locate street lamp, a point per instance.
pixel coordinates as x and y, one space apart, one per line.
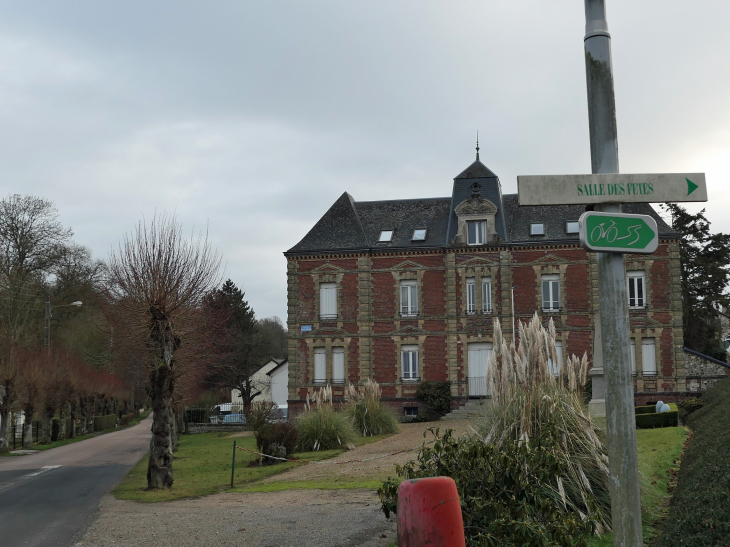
49 315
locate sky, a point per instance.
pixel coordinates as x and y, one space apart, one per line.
248 119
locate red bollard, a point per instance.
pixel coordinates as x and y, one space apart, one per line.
429 513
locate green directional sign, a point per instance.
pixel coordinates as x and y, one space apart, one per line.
618 233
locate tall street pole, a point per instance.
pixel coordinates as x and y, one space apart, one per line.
614 318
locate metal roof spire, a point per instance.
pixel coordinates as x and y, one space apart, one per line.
477 145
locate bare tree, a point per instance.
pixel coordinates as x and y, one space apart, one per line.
157 281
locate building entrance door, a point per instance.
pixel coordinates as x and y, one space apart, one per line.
478 355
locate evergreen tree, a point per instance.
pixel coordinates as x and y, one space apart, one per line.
705 267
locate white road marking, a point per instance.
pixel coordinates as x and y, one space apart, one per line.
19 480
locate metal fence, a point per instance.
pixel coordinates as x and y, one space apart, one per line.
223 413
19 432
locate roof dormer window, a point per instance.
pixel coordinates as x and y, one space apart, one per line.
571 227
385 236
419 234
476 232
537 229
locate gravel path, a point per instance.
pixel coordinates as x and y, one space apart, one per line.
290 518
410 436
293 518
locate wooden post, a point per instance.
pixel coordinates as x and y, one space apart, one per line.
233 463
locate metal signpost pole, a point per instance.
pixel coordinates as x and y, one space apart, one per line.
620 421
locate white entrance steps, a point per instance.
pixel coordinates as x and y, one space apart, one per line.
472 409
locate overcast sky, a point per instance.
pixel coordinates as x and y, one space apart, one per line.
251 118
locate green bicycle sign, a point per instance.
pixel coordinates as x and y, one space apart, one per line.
618 233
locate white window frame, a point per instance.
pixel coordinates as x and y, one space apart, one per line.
632 351
553 284
552 368
636 281
480 233
409 363
535 231
486 295
572 227
338 365
328 300
419 234
320 366
385 236
409 298
648 357
471 296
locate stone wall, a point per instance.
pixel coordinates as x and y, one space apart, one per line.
703 372
192 429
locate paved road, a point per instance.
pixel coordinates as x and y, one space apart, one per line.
47 499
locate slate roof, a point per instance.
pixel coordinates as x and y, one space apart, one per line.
350 225
554 218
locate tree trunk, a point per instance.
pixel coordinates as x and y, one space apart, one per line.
28 436
74 416
4 430
159 469
62 423
47 425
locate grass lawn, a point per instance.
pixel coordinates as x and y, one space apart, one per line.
658 448
56 444
202 466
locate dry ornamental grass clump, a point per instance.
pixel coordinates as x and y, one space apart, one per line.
321 427
531 396
367 413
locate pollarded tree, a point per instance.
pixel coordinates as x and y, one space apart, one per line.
157 282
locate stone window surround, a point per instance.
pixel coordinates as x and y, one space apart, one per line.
645 267
475 209
408 275
319 278
637 335
401 341
477 273
550 269
329 344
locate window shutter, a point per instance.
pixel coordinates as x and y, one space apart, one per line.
648 357
338 365
320 365
328 300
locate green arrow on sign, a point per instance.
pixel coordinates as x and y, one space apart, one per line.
691 186
618 232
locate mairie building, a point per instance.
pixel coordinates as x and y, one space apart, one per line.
407 291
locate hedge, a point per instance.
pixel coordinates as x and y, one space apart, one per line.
437 395
56 427
659 419
105 422
698 513
651 409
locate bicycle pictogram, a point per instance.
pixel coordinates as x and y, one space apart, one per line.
611 234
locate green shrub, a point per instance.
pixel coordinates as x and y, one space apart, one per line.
105 422
658 419
437 395
647 409
691 404
368 415
274 437
510 494
698 513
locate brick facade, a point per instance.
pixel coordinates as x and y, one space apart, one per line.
372 332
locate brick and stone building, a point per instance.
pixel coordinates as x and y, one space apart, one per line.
405 291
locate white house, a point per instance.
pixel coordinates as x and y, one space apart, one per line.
273 380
